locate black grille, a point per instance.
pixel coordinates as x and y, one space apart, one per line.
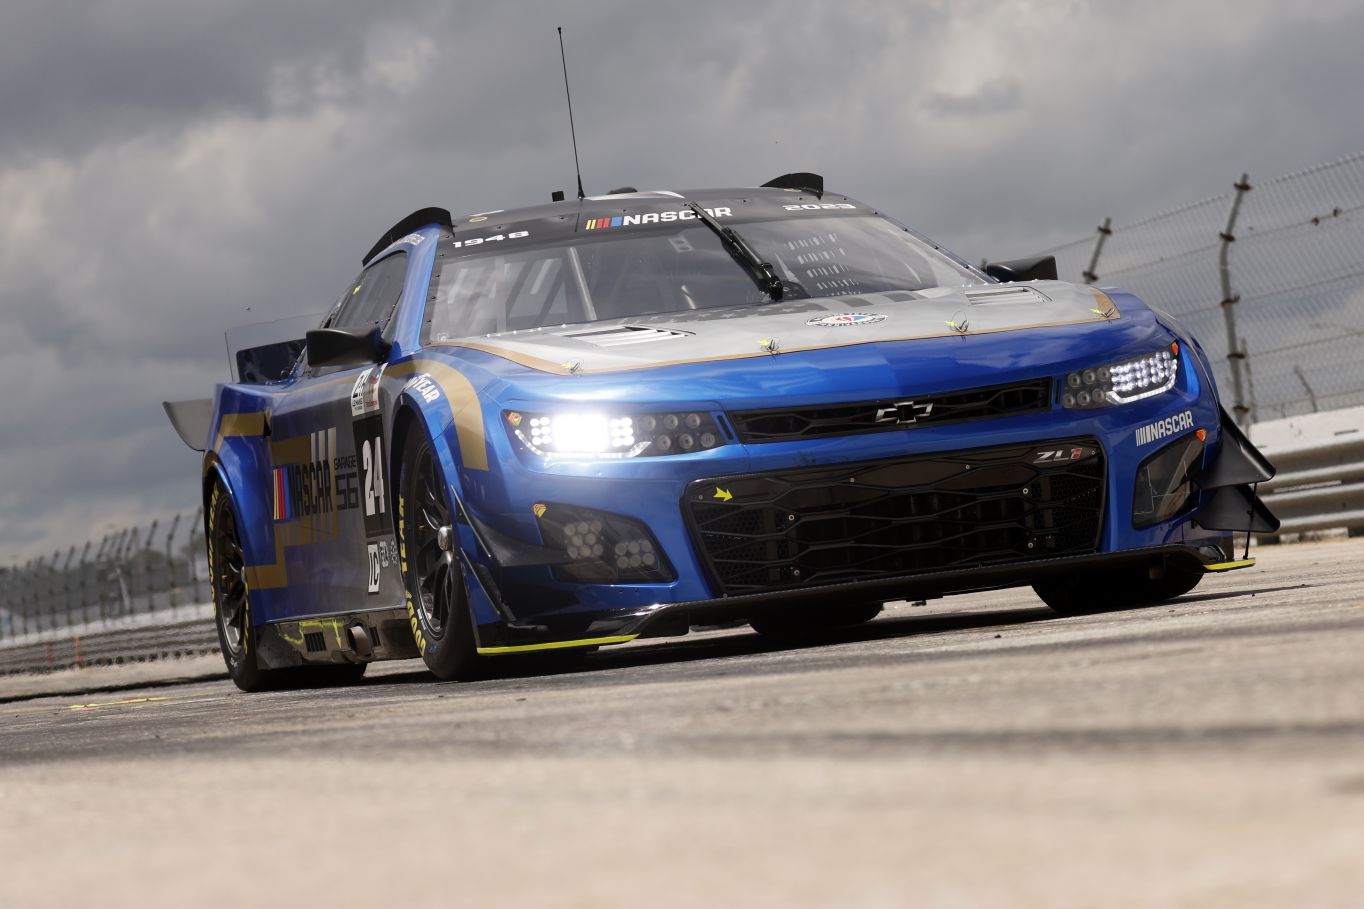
314 641
880 519
823 420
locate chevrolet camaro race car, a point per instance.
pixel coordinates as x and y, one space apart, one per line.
581 423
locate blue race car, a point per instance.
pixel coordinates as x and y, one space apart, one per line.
577 424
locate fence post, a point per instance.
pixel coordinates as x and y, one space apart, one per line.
1091 274
148 575
83 581
192 553
171 586
1236 355
6 581
66 584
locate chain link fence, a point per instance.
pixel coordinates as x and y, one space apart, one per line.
138 571
1269 277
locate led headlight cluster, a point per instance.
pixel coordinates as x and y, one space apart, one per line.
597 435
1122 382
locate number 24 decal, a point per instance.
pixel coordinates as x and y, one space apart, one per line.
372 454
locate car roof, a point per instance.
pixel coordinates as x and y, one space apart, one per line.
548 219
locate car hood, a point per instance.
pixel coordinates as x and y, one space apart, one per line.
732 333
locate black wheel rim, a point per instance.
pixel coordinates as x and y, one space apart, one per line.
435 574
229 582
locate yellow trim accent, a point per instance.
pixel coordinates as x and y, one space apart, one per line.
1106 305
123 703
1229 566
556 645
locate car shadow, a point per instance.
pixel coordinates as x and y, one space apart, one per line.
743 642
739 643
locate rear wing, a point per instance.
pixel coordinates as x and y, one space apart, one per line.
191 420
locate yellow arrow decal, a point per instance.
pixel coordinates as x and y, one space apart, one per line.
724 495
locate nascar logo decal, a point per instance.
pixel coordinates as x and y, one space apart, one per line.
1160 429
652 217
847 318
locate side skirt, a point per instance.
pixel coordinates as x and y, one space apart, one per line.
356 637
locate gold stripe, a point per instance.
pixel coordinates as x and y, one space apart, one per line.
543 365
464 407
269 577
1105 303
239 424
1229 566
556 645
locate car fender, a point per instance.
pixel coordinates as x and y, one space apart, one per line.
439 402
238 455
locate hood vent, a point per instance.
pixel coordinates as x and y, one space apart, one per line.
1008 293
624 334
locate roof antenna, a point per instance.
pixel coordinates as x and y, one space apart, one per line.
571 131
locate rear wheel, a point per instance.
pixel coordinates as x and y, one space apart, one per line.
231 598
232 613
1089 593
804 621
433 575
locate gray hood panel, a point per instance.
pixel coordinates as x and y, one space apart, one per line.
760 330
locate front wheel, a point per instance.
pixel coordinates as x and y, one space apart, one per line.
434 584
1096 592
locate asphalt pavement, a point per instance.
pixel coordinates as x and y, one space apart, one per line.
974 751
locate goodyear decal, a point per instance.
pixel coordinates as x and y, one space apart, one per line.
407 593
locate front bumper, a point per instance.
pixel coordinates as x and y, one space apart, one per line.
665 620
519 604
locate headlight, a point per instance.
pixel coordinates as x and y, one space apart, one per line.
599 435
1123 382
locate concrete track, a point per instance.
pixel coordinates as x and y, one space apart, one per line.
977 751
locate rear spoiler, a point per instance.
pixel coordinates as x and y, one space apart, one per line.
191 420
811 183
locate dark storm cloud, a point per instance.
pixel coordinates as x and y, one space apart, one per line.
171 170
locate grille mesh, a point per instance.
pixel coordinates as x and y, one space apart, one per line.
880 519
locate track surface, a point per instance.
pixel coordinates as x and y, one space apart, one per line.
977 751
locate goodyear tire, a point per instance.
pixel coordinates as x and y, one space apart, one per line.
231 597
1088 594
435 587
810 621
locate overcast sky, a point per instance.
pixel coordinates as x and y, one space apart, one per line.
169 170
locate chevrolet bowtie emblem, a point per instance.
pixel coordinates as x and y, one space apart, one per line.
724 495
903 412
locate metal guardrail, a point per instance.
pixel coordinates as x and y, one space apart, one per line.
113 647
1320 459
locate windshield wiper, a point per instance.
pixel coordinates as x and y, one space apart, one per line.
738 247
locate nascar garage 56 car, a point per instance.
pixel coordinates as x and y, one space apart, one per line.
581 423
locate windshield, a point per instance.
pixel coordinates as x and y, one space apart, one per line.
626 273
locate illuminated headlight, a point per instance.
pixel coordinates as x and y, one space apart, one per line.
597 435
1123 382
